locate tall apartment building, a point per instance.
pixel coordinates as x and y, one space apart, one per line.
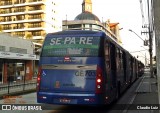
30 19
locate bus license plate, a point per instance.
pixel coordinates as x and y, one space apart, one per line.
64 100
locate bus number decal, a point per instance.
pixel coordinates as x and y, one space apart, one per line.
87 73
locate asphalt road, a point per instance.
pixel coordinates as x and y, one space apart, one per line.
126 98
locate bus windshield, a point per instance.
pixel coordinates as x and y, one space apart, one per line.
71 46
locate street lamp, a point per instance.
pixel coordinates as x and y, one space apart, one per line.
136 34
150 48
145 41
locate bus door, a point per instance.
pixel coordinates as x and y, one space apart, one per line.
124 67
108 78
134 70
113 65
128 67
131 64
120 66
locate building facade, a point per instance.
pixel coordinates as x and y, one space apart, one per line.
30 19
16 59
88 21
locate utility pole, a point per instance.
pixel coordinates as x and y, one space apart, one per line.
145 60
150 48
156 10
150 40
150 51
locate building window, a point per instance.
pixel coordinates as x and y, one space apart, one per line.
96 27
6 27
21 34
34 25
18 50
74 26
36 33
35 16
2 48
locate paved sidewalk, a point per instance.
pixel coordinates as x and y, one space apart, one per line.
146 96
17 88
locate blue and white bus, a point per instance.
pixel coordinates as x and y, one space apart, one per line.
82 67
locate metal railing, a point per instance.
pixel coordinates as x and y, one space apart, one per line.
17 86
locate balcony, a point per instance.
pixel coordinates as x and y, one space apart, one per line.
6 4
20 35
9 21
35 2
7 28
18 27
19 10
34 26
36 34
35 9
36 12
22 28
5 12
34 17
5 20
10 13
15 29
21 2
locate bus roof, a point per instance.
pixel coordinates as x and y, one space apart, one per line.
77 33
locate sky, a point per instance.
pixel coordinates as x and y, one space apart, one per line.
127 12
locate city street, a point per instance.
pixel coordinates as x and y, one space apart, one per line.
78 55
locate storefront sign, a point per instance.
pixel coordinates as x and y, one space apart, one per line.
11 55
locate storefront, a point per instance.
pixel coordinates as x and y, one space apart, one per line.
16 70
16 59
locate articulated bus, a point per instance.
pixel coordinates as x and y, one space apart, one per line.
84 68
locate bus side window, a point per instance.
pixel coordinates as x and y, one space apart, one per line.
121 59
118 58
107 54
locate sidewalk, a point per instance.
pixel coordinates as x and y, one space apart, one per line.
17 88
146 93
